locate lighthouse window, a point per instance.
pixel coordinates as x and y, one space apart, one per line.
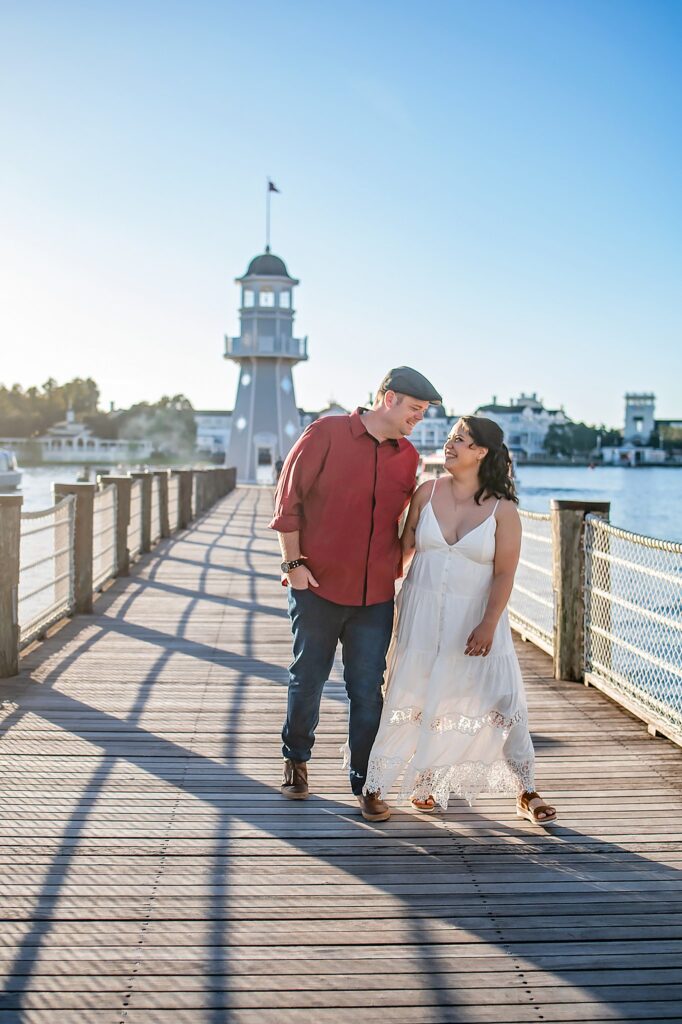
285 300
248 297
266 297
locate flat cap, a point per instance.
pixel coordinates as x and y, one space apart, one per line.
410 382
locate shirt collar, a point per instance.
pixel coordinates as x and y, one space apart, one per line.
358 428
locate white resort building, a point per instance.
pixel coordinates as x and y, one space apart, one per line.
640 427
432 432
525 423
71 441
213 430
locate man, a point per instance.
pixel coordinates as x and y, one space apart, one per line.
342 491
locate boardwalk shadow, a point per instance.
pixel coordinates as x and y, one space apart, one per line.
436 881
466 903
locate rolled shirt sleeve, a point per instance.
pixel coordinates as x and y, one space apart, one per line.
301 468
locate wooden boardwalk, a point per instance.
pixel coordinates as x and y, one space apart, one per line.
151 873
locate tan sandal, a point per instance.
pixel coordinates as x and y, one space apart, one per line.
425 806
532 814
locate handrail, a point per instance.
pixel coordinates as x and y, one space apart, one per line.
54 559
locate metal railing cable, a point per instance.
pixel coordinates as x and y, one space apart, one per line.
633 621
173 503
104 535
156 510
46 567
531 605
135 521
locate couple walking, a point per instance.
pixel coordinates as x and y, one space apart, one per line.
454 718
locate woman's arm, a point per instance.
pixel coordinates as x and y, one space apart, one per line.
507 551
407 538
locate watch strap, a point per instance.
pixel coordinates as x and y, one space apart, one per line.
286 567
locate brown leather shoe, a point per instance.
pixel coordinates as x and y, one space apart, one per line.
373 808
295 782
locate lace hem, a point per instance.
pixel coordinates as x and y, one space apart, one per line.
400 716
468 780
460 723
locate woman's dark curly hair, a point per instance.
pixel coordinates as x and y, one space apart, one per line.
495 473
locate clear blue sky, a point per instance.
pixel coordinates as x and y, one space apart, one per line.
487 190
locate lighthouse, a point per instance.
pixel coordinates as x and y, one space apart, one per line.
265 421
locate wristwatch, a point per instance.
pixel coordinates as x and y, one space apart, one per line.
286 567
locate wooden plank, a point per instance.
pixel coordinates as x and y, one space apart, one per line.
149 869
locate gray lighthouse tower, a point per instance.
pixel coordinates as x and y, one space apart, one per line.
265 421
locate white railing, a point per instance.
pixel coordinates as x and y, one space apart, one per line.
46 568
531 606
104 536
135 521
156 510
173 502
633 622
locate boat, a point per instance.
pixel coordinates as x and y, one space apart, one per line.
10 474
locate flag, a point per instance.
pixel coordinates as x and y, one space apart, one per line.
272 187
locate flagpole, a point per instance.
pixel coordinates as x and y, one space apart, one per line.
267 215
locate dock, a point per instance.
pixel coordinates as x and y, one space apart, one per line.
151 872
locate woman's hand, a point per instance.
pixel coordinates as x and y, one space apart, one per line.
480 640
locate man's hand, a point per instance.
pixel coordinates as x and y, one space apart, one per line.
301 578
480 640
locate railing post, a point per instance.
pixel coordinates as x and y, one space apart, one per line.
146 514
123 485
163 475
209 489
568 576
10 537
184 497
82 542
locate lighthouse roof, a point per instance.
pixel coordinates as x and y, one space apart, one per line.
267 265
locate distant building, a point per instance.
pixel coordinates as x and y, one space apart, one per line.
333 409
629 454
525 423
213 430
70 441
432 432
639 418
641 434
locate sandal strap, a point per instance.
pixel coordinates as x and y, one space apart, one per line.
525 799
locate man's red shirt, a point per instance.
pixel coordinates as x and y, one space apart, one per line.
345 492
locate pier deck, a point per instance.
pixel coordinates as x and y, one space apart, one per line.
151 873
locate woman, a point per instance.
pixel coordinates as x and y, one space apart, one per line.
455 717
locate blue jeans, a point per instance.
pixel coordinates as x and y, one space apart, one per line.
364 632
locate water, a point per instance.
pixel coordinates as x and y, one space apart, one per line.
36 484
647 500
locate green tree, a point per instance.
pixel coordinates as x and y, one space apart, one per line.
577 438
169 424
670 437
30 412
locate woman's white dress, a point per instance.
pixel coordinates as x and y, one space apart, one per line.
451 723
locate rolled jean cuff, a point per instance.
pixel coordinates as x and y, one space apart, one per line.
357 781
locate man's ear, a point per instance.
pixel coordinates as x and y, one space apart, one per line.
390 398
